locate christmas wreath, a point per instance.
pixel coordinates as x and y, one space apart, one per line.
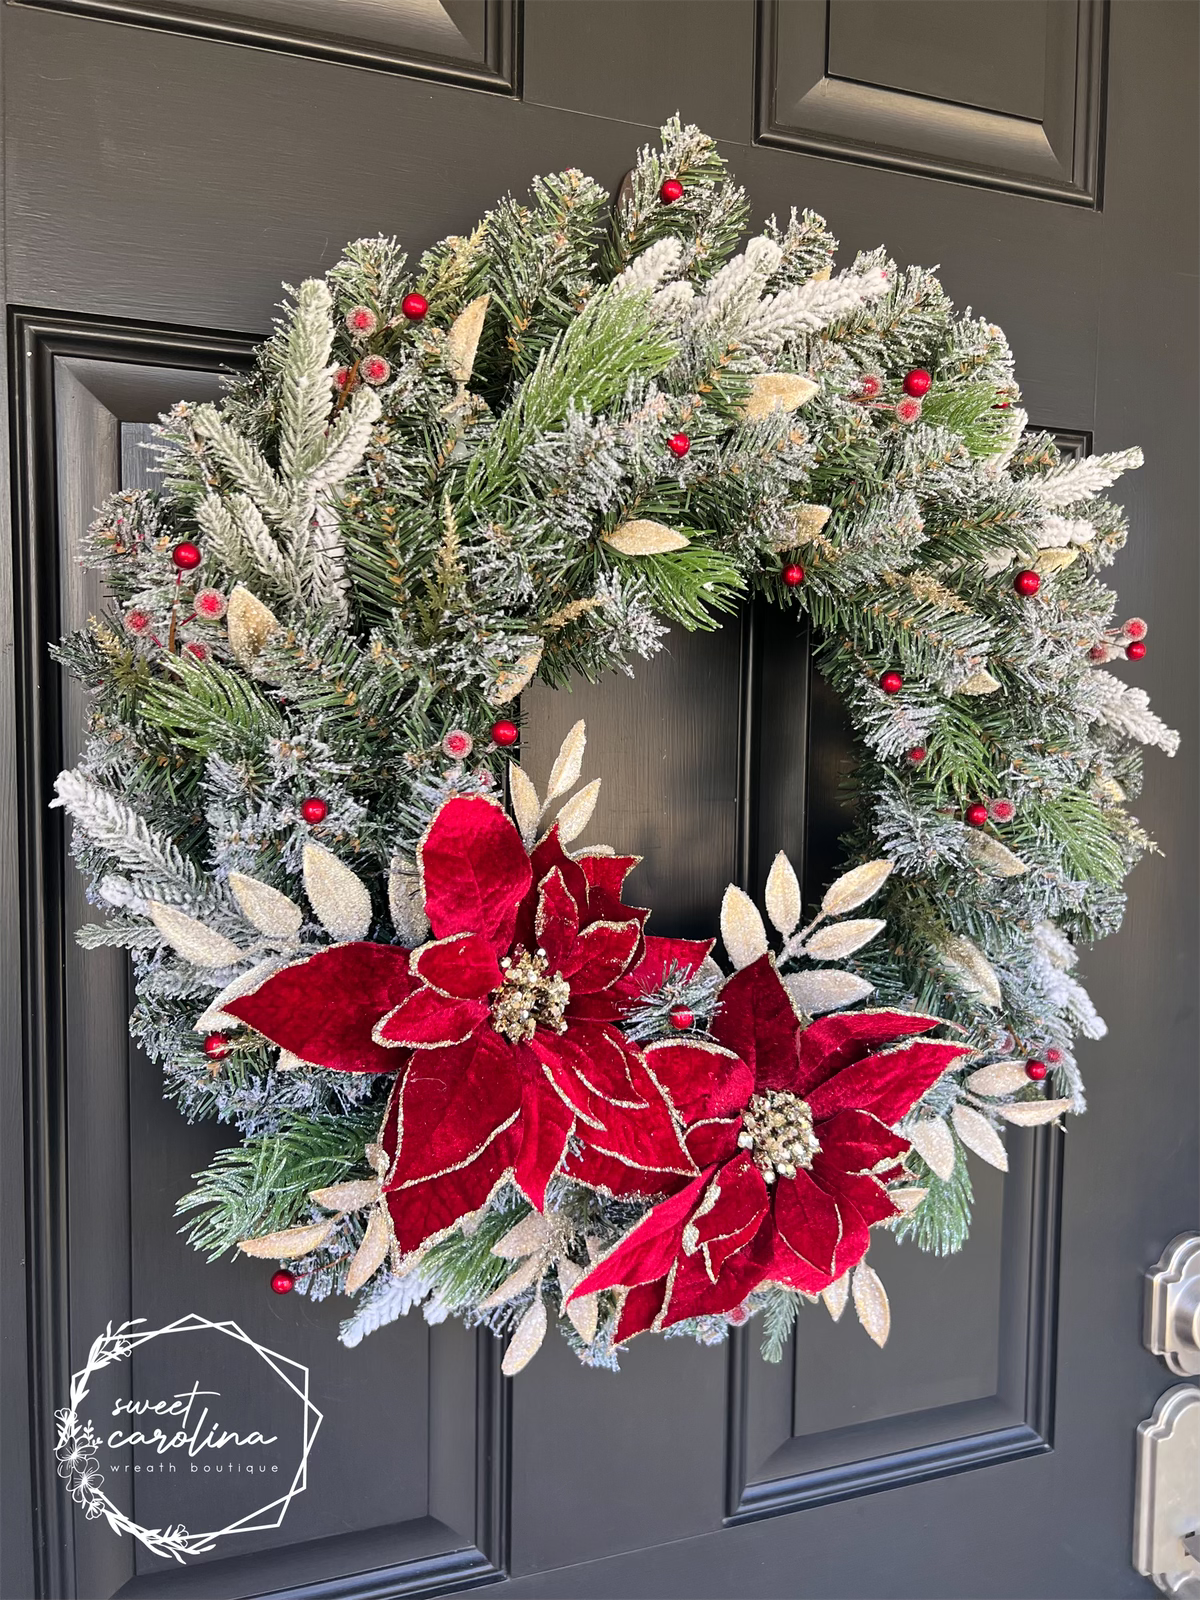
464 1074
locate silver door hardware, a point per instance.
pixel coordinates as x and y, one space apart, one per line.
1166 1502
1172 1321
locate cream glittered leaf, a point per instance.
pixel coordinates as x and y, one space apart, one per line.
855 886
288 1243
336 893
584 1313
819 992
568 763
979 683
289 1061
1030 1113
934 1143
266 908
776 391
406 902
742 930
526 1340
523 1238
517 1282
213 1017
354 1195
577 813
200 945
371 1253
1001 1077
842 938
970 967
249 624
462 340
1049 561
527 808
835 1296
871 1303
645 538
977 1133
994 857
907 1199
377 1159
783 895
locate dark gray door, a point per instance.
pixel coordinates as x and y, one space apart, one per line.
167 164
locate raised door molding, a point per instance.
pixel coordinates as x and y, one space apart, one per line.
1008 95
475 43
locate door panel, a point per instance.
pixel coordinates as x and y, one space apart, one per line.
166 179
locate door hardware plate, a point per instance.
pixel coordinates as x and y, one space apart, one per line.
1166 1511
1172 1310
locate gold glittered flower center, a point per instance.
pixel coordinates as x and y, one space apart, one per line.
777 1129
529 997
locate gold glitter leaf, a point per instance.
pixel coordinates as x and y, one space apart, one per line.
776 391
934 1143
213 1017
783 895
843 938
195 943
406 902
855 886
288 1242
249 624
1001 1077
584 1313
994 857
871 1303
1029 1113
966 963
377 1159
512 680
527 808
977 1133
1055 560
517 1282
568 764
337 895
742 929
906 1199
264 907
371 1253
835 1296
808 521
462 340
289 1061
355 1195
819 992
530 1234
526 1340
577 813
979 683
645 538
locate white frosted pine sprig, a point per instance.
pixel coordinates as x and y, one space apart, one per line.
388 1299
812 306
1080 480
731 301
127 837
1058 533
656 264
1127 709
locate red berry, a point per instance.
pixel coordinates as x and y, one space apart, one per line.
216 1046
1053 1057
1136 650
1135 628
977 815
283 1282
314 809
414 306
681 1018
375 370
908 408
342 377
1027 582
671 191
505 732
1036 1070
917 383
793 575
186 556
869 385
361 319
679 444
917 754
1001 810
891 682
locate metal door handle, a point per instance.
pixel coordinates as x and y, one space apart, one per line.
1166 1508
1172 1308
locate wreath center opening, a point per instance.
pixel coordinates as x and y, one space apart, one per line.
777 1129
529 995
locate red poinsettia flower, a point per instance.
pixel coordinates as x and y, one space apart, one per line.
793 1129
503 1026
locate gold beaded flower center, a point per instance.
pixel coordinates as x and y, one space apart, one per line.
777 1129
528 997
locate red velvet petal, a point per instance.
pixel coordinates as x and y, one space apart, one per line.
727 1219
610 1176
702 1080
475 871
807 1222
866 1194
428 1019
793 1271
453 1102
831 1043
757 1022
607 873
658 957
639 1309
887 1085
648 1250
324 1009
600 955
557 920
463 966
692 1293
431 1206
546 1123
855 1141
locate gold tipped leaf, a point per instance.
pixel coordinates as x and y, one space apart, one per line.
526 1340
819 992
979 683
517 1282
462 340
934 1143
742 930
843 938
776 391
645 538
1001 1077
977 1133
568 763
1049 561
871 1303
577 813
527 808
855 886
249 624
406 902
1031 1113
371 1253
512 680
835 1296
907 1199
337 895
265 908
355 1195
530 1234
783 895
970 968
202 946
994 857
288 1242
